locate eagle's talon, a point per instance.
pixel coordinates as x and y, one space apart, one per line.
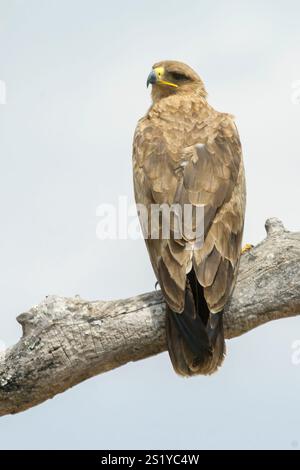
246 248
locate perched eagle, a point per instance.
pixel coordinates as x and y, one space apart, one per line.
185 152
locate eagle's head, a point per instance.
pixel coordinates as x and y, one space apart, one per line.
172 77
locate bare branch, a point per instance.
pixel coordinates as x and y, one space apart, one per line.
66 341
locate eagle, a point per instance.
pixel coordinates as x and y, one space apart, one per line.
187 153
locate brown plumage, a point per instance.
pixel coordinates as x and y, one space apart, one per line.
185 152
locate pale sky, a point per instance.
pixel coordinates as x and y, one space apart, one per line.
75 74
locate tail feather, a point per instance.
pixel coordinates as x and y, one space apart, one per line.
195 337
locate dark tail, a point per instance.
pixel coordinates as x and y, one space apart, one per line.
195 337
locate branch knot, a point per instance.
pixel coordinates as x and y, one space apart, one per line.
274 226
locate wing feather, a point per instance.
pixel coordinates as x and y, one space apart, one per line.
200 165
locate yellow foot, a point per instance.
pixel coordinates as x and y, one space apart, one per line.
246 248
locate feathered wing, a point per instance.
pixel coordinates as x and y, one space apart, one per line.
195 283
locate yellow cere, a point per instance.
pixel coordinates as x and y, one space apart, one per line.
159 72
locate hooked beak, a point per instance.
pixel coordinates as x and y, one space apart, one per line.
156 78
152 78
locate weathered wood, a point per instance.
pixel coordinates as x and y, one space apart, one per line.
66 341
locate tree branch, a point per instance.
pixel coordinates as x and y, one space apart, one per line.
66 341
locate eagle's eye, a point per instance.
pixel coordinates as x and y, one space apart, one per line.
179 77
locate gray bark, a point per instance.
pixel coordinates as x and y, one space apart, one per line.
68 340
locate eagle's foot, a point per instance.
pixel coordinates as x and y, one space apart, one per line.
246 248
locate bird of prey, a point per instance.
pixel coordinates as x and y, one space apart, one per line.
186 152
